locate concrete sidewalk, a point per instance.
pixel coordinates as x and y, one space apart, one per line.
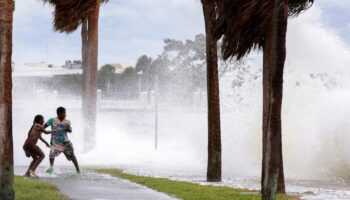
93 186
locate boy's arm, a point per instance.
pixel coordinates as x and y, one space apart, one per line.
42 129
48 123
45 126
69 128
44 141
49 132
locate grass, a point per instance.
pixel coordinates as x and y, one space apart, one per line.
29 189
189 191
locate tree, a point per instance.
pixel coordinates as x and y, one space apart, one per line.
214 128
84 42
187 65
143 65
262 24
274 49
105 74
129 80
6 141
65 84
89 100
106 69
68 15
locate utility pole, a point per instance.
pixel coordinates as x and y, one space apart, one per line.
46 48
156 89
139 82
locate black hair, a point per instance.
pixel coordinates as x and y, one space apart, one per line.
60 110
37 119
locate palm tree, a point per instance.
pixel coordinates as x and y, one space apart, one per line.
6 141
68 15
214 129
89 103
262 24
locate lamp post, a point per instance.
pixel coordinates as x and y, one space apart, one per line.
139 74
156 96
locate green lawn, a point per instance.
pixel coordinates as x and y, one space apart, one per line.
187 190
29 189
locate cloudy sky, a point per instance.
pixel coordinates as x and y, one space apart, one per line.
130 28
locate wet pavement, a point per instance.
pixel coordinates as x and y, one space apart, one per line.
93 186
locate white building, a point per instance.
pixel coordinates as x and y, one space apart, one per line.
31 78
75 64
120 67
41 70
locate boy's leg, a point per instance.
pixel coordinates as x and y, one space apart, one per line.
76 165
30 152
55 150
70 155
52 155
39 159
52 161
30 166
32 163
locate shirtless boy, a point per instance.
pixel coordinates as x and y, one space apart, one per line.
30 146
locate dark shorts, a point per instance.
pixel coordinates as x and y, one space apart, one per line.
33 151
66 148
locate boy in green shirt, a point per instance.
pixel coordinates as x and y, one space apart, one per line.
59 140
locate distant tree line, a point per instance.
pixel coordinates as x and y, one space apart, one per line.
111 84
180 68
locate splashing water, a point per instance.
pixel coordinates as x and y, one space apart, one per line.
316 131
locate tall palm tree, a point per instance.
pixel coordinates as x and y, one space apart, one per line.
89 103
214 128
68 15
262 24
6 141
274 49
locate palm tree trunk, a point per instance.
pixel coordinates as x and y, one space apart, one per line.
274 59
90 82
84 51
281 186
6 141
84 42
214 129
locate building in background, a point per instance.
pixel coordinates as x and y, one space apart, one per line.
29 79
120 67
75 64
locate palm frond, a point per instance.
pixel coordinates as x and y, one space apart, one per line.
69 14
298 6
242 23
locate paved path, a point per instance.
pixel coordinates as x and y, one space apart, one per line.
93 186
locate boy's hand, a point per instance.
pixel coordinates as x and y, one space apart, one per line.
68 128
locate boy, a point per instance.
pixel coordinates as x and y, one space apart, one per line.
59 140
31 148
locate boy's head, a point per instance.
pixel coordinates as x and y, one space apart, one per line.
39 119
61 113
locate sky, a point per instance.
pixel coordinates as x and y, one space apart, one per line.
131 28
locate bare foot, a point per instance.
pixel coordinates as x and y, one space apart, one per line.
33 174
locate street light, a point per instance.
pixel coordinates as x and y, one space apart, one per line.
156 88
